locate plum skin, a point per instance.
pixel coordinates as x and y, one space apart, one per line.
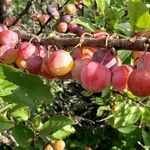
95 77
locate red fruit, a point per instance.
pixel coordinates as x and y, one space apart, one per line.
3 27
83 52
120 77
45 71
42 51
8 54
95 77
139 82
100 34
143 62
70 9
60 62
8 37
105 57
34 64
62 27
81 30
73 28
26 50
78 65
43 19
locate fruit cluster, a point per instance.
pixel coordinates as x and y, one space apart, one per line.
94 68
63 17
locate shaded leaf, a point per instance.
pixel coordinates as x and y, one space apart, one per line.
22 88
23 135
5 124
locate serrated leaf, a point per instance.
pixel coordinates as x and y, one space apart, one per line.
22 88
5 124
23 135
63 133
138 15
54 124
103 5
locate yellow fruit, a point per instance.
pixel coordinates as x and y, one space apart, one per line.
60 63
59 145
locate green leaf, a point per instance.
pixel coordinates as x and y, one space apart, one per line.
133 114
87 3
127 129
63 133
124 28
124 54
103 5
145 115
125 117
22 88
146 138
138 15
85 23
54 124
36 122
5 124
101 109
21 113
23 135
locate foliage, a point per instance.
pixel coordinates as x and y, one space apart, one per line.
38 111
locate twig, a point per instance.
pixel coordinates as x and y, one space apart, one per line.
104 119
24 12
2 11
126 44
